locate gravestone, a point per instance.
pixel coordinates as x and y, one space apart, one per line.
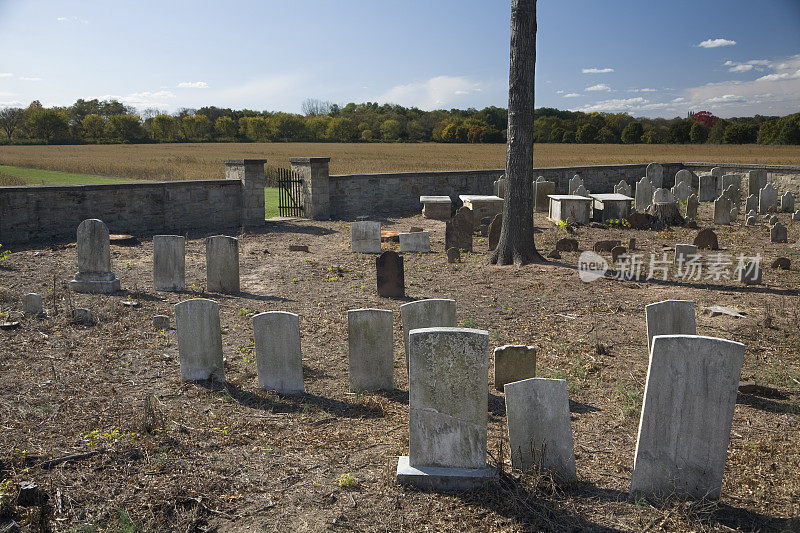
458 230
684 176
453 255
691 206
436 207
751 204
617 252
365 237
390 275
567 245
622 188
631 243
639 220
717 172
751 220
689 398
94 274
783 263
581 191
681 191
494 231
749 273
756 179
169 262
722 210
539 431
772 219
606 246
448 410
706 239
499 187
82 316
787 202
736 181
575 182
778 233
684 252
655 173
32 304
767 199
199 340
734 213
161 322
796 216
276 335
431 313
707 191
371 349
663 196
644 194
541 192
513 362
419 241
732 194
222 264
670 317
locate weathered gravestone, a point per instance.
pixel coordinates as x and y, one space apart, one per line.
787 202
539 431
749 273
453 255
222 264
644 194
431 313
365 237
169 262
390 275
751 204
161 322
681 191
670 317
276 335
32 304
94 274
689 398
82 316
663 196
767 199
499 187
606 246
494 231
513 362
458 230
782 263
684 253
581 191
371 349
448 410
655 173
732 194
756 179
199 340
717 172
567 245
692 204
796 216
684 176
575 182
751 220
622 188
734 213
617 252
736 181
706 239
707 191
541 193
722 210
419 241
778 233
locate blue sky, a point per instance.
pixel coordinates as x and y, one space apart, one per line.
646 57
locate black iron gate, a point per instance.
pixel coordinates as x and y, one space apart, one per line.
290 193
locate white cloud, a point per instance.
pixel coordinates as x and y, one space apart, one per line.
560 91
72 19
193 85
780 76
571 95
747 66
143 99
598 87
25 78
6 75
435 93
678 100
716 43
594 70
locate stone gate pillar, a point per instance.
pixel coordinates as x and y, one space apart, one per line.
251 173
316 198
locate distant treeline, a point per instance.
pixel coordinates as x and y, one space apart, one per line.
109 121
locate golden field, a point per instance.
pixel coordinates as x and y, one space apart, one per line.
204 160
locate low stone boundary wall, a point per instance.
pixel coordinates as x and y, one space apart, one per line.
784 177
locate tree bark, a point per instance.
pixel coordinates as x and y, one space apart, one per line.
516 244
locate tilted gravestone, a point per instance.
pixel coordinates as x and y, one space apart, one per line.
458 230
448 410
670 317
418 241
390 275
756 179
689 398
541 193
365 237
644 194
707 190
778 233
169 262
431 313
539 431
706 239
681 191
751 204
94 274
655 173
575 182
622 188
199 340
513 362
722 210
787 202
767 199
684 176
371 349
495 228
32 304
276 335
691 206
685 253
222 264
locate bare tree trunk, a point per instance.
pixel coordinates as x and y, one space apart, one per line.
516 244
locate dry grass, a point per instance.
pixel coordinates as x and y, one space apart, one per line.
204 161
9 180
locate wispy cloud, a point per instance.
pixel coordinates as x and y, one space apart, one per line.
595 70
571 95
27 78
716 43
598 87
747 66
616 104
437 92
781 76
193 85
143 99
6 74
72 19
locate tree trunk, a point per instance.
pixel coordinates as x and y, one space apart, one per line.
516 244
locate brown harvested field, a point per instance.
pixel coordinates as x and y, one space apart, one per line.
204 161
152 453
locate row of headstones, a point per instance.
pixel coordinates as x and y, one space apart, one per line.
365 238
684 429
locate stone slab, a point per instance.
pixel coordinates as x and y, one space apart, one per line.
670 317
418 241
276 335
430 313
513 362
390 275
444 479
370 344
365 237
169 262
222 264
569 207
199 339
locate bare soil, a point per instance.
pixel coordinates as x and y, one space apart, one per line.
202 456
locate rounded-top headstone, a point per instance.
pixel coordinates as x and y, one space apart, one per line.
663 196
706 239
94 253
567 245
655 173
685 176
32 304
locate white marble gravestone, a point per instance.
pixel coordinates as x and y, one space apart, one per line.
94 274
365 237
276 335
222 264
655 173
371 349
670 317
430 313
169 262
644 194
199 340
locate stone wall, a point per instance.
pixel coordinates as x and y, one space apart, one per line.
783 177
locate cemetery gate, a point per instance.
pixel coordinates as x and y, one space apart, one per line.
290 193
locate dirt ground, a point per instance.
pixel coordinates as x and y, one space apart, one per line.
156 454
